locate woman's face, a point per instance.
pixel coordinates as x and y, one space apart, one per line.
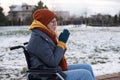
52 25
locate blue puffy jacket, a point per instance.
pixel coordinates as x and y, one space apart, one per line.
48 54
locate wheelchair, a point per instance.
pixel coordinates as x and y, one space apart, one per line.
44 74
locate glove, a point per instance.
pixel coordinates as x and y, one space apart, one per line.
64 36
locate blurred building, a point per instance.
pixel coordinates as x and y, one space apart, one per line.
65 15
20 12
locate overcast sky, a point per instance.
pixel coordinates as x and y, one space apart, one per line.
77 7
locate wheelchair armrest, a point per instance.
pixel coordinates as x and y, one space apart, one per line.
44 71
48 72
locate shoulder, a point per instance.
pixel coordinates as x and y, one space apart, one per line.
36 40
39 33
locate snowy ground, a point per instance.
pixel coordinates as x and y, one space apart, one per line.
98 46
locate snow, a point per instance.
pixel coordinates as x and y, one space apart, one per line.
97 46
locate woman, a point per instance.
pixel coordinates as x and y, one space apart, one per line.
49 50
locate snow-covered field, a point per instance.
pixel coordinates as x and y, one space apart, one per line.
98 46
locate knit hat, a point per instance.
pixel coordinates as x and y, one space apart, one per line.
44 16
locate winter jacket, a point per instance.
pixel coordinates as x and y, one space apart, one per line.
41 45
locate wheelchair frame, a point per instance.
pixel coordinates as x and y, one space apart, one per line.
42 72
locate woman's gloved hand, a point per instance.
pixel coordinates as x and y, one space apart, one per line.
64 36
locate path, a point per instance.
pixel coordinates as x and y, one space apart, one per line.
114 76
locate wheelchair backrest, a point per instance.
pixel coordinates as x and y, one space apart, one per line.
26 54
